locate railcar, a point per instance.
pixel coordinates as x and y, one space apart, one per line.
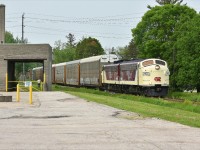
37 73
149 77
83 72
60 73
67 73
73 73
90 69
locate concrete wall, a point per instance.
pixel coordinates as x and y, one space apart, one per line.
12 52
2 23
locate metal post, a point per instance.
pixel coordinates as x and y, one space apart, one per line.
44 78
6 82
44 83
18 93
23 72
41 86
30 94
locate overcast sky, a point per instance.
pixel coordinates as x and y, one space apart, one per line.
47 21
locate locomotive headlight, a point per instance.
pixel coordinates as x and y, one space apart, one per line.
146 74
157 67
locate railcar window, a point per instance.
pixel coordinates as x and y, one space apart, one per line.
127 72
147 63
160 62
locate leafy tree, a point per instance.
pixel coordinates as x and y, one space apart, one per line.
154 35
88 47
64 52
64 55
9 37
128 52
71 40
164 2
188 58
58 45
19 40
111 50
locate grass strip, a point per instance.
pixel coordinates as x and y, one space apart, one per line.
187 96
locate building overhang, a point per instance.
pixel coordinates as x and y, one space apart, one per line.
25 58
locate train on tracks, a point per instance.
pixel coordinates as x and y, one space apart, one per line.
149 77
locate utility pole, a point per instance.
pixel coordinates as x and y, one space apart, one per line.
23 42
23 27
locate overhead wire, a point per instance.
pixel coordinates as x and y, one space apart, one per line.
108 20
116 22
85 17
112 37
75 31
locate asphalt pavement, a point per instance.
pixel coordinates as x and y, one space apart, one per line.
59 121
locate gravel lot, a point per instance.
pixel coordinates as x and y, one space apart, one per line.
57 120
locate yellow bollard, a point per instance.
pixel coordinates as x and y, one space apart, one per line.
30 94
44 82
44 78
18 93
6 82
41 86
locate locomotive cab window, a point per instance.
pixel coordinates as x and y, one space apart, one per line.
147 63
159 62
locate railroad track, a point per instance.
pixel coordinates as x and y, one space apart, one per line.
180 100
174 99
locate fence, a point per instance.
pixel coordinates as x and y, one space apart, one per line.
26 86
35 85
30 92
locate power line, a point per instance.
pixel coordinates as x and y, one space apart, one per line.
83 22
112 37
14 26
91 21
62 30
128 14
13 17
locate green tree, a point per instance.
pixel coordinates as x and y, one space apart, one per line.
88 47
111 50
19 40
71 40
63 52
128 52
188 56
164 2
58 45
9 38
64 55
154 35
